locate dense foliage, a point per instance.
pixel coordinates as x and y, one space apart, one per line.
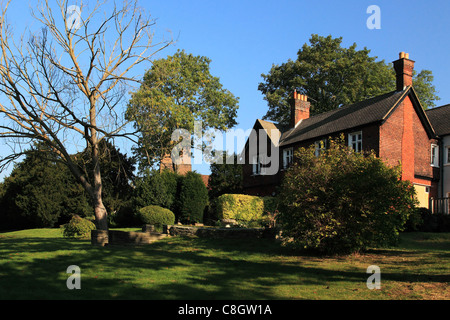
156 188
78 227
331 76
176 91
156 215
185 195
41 192
343 201
192 198
225 177
245 209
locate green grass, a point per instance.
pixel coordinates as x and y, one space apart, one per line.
33 265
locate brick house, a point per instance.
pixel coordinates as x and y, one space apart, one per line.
393 125
440 120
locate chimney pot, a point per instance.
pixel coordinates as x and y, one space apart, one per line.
404 70
299 109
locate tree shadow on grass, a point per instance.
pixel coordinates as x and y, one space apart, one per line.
169 269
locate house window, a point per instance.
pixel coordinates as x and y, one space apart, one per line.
256 164
447 155
288 157
355 141
321 146
434 155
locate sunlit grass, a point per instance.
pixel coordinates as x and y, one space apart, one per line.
33 265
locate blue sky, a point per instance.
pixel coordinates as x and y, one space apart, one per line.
244 38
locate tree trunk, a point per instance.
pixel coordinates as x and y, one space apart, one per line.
101 216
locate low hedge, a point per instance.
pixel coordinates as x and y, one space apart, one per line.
156 215
78 228
245 208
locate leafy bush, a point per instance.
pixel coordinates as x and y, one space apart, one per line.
156 215
343 201
156 188
78 228
124 217
425 221
192 198
245 208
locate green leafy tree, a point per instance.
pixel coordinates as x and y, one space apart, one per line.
427 93
192 198
42 192
343 201
332 76
156 188
225 177
117 170
174 93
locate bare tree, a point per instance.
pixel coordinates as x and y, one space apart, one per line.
64 84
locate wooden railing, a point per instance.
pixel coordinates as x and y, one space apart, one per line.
440 205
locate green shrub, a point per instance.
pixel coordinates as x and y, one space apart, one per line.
192 198
431 222
240 207
156 215
343 201
124 217
78 228
246 209
156 188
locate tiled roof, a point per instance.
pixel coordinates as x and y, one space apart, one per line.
440 119
351 116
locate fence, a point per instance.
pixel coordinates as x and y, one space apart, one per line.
440 205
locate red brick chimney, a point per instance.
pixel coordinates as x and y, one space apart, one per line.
404 71
299 109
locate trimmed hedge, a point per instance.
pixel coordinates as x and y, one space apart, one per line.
156 215
78 228
245 208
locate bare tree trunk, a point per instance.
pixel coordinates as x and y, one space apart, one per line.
101 216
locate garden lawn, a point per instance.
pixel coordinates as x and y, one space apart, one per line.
33 265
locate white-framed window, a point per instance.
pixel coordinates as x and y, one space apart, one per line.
355 141
434 161
288 157
256 165
447 155
320 146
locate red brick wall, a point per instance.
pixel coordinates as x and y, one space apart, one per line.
391 133
403 138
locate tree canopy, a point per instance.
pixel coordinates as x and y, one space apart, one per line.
175 92
41 191
331 76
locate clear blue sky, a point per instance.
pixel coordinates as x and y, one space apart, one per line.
244 38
